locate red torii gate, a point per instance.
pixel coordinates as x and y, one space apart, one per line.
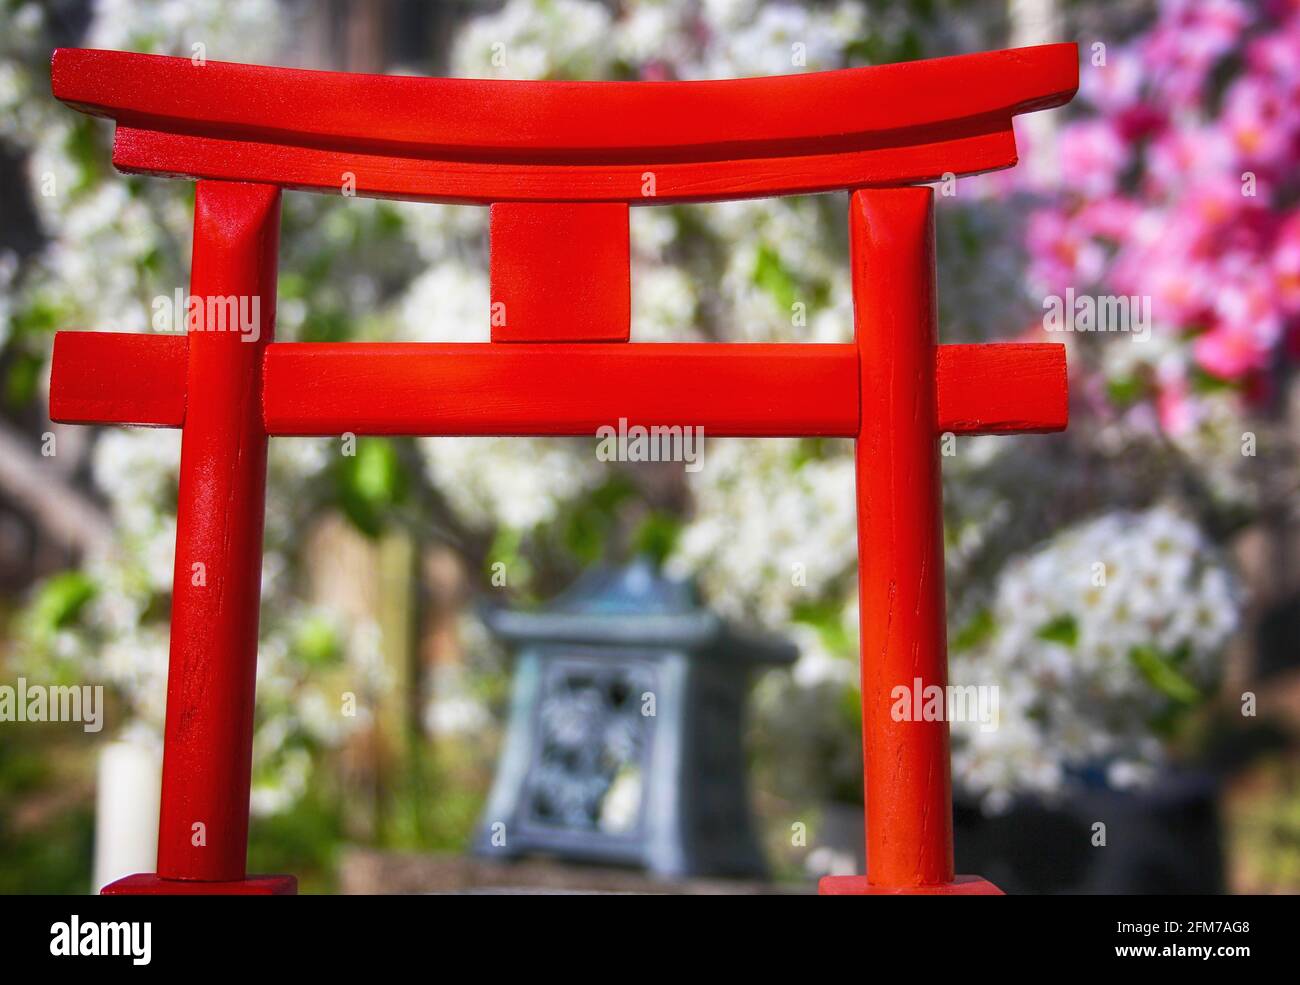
559 163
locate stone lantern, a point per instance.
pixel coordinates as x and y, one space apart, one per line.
624 742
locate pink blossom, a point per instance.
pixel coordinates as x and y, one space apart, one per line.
656 70
1228 352
1092 155
1213 211
1175 407
1115 86
1286 264
1061 255
1181 291
1201 229
1275 54
1247 328
1111 218
1188 40
1258 120
1182 153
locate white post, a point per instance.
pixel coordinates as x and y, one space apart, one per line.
126 810
1037 22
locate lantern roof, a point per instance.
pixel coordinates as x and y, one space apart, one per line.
637 605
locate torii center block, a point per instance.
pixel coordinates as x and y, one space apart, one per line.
560 272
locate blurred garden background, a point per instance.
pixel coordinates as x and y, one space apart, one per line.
1166 702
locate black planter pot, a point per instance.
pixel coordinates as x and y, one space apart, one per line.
1165 838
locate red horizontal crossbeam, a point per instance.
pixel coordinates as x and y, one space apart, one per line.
484 141
1002 388
739 389
566 122
469 183
556 388
102 377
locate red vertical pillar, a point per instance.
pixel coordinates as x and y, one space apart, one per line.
207 755
900 548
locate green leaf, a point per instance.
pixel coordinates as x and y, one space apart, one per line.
810 450
42 316
584 533
84 147
772 277
1126 391
1062 629
370 484
976 631
23 379
1205 383
1160 673
657 536
59 601
827 618
317 642
508 549
586 525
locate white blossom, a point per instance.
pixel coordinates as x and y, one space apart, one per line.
1118 590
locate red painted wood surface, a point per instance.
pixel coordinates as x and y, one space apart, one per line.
861 886
564 122
1002 388
471 183
208 740
148 884
560 272
476 140
118 378
742 389
729 389
900 536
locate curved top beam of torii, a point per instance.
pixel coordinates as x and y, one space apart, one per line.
484 141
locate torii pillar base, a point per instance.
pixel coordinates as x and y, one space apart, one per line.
858 886
148 884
